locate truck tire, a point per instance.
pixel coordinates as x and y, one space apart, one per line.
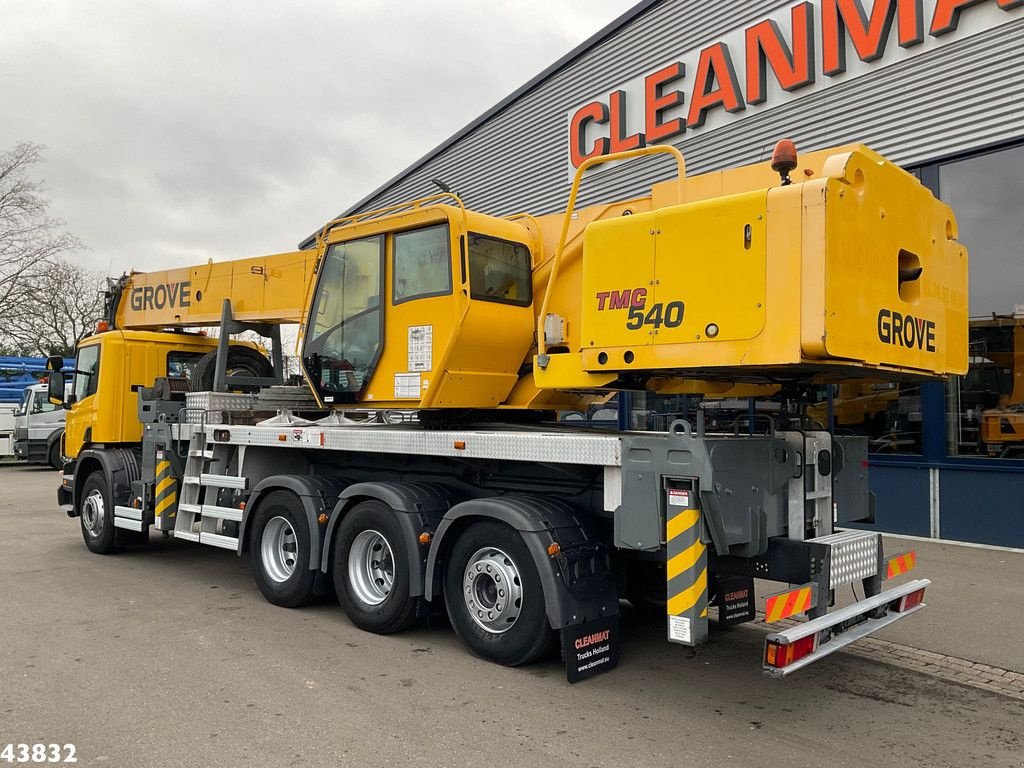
279 553
494 596
56 458
96 515
241 360
371 571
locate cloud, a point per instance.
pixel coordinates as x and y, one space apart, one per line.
181 130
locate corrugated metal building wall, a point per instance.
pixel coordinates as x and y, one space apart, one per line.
966 95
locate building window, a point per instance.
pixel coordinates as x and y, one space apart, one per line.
986 407
888 413
985 193
423 264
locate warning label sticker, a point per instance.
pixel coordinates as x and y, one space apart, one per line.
678 498
407 385
421 347
679 629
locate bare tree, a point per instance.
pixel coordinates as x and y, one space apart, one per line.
58 308
30 239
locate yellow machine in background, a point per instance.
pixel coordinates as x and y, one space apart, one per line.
998 343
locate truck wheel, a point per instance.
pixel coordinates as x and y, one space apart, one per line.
371 571
279 553
96 515
56 459
494 596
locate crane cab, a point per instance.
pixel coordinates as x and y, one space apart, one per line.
426 306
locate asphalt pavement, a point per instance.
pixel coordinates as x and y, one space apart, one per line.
169 656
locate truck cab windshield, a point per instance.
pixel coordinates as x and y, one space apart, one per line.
343 336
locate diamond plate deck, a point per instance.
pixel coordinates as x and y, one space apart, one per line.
854 556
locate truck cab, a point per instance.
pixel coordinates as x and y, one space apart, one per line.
38 428
110 367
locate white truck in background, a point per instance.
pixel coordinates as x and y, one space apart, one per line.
38 428
7 429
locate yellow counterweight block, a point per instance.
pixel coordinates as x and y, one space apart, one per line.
686 570
165 495
854 271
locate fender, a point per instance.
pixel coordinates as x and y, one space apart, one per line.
317 495
578 584
120 466
420 507
56 435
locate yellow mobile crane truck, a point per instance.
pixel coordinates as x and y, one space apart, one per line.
833 266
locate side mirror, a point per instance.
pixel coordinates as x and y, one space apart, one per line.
54 363
55 387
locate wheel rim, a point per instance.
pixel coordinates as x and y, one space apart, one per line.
371 567
492 590
93 512
279 549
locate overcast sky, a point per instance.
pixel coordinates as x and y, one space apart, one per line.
181 130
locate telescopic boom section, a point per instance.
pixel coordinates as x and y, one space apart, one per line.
265 289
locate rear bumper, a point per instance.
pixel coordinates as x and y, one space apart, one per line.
841 627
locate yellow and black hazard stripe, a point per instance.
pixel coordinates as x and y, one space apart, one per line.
686 572
165 493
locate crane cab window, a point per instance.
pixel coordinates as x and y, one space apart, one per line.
344 336
87 371
423 264
499 270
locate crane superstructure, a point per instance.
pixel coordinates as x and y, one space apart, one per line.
833 266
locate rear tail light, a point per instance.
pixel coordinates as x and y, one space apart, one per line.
780 655
912 600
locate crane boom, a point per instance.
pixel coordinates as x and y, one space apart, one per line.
266 289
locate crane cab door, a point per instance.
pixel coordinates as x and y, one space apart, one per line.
430 309
495 332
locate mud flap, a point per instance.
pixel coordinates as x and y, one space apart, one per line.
590 648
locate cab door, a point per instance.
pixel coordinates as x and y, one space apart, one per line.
81 419
421 313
